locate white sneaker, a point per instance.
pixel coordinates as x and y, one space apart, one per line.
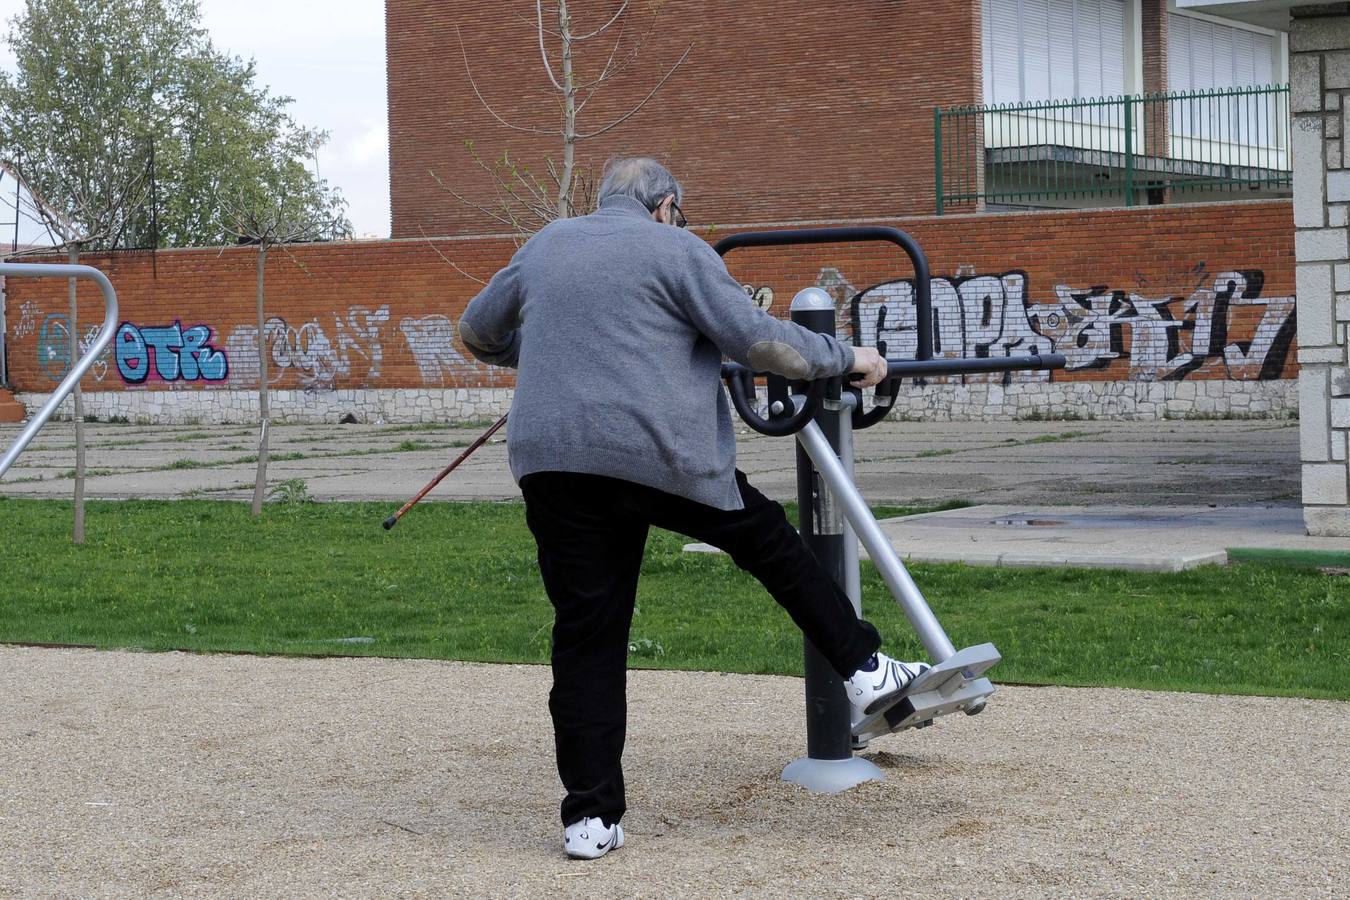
590 839
869 691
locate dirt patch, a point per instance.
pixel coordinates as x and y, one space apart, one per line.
131 774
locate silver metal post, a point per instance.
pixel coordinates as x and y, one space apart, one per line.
85 363
893 571
852 570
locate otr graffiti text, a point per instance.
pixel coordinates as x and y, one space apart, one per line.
168 353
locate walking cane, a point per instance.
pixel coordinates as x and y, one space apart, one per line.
393 520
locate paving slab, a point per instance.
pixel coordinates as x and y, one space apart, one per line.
1145 539
1039 470
1167 539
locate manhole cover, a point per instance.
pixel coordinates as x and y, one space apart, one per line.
1029 522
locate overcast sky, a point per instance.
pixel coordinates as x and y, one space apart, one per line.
329 56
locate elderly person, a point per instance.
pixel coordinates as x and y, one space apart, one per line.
617 323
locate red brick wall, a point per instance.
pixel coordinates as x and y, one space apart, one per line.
1128 293
784 111
1153 47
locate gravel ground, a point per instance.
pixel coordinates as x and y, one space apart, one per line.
141 774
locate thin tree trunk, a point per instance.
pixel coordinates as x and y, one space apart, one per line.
77 532
569 135
260 485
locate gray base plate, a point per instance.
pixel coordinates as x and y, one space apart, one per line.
830 776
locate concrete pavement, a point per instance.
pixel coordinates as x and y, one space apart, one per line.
1163 495
1142 538
1227 463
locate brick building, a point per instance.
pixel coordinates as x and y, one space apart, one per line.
1065 224
810 112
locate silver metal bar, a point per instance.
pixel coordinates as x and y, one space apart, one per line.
893 571
852 571
85 363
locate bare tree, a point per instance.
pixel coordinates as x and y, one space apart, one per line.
83 155
524 202
92 212
296 207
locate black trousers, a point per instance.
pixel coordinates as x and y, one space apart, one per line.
591 531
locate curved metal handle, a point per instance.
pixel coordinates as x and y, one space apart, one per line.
923 301
793 417
900 369
85 363
883 402
740 380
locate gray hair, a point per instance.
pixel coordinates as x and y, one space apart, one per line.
640 177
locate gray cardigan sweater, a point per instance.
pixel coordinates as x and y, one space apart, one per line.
618 325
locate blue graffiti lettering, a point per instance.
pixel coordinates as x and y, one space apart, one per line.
131 354
173 352
199 359
54 348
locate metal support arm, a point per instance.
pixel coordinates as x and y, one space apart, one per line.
888 564
85 363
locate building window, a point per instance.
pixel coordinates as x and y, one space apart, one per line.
1202 55
1038 50
1208 56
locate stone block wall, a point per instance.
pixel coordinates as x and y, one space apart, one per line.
1320 98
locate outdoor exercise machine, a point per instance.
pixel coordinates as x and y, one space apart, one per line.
80 367
823 414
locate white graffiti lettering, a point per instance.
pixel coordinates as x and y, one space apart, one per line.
982 316
431 341
29 313
1164 338
307 351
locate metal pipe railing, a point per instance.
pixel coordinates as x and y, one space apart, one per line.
1125 149
85 363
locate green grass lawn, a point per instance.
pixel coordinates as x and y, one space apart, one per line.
458 581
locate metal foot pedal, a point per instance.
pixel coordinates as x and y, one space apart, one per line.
953 685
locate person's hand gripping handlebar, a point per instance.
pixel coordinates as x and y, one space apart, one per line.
870 365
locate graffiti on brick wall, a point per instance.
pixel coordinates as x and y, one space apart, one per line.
431 341
978 316
1095 327
53 348
28 320
169 353
308 353
762 295
1172 337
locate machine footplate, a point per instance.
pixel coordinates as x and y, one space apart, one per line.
953 685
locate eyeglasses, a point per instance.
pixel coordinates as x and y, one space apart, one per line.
680 220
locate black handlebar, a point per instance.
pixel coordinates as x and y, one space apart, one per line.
923 301
789 419
740 381
741 384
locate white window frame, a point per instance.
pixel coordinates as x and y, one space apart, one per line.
1132 62
1274 153
1280 67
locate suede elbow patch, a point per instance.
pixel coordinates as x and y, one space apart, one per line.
469 337
779 358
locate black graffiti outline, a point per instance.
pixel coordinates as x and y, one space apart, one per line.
1122 310
981 351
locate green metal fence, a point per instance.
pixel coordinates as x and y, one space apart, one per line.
1143 148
